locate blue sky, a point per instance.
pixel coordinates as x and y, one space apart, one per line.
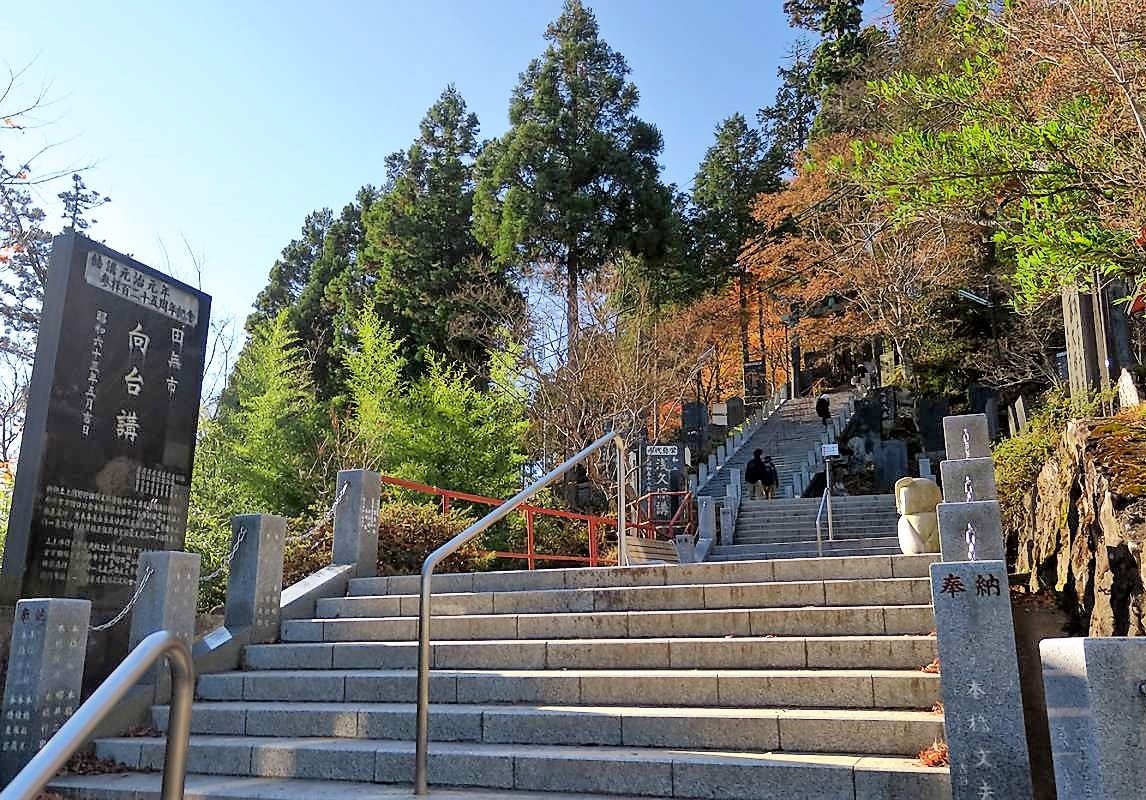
225 123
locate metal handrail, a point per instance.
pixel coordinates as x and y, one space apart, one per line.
79 728
422 742
819 529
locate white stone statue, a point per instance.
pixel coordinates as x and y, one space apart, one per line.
915 500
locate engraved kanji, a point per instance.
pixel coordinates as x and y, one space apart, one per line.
134 381
127 425
952 585
987 585
138 340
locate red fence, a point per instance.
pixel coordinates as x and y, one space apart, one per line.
683 521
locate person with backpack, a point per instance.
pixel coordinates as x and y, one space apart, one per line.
762 476
823 408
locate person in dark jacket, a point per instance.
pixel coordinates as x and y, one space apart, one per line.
761 475
824 409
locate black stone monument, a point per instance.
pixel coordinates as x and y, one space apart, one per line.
662 470
109 438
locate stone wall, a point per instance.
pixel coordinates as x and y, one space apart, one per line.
1080 529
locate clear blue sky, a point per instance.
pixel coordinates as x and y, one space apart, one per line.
225 123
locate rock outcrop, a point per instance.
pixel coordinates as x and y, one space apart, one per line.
1080 529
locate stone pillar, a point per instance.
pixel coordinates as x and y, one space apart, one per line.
706 517
721 454
167 601
712 463
254 587
736 481
978 440
954 475
356 521
45 676
982 699
727 525
971 531
702 475
1097 714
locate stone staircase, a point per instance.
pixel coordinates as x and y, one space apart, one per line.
789 437
864 525
794 678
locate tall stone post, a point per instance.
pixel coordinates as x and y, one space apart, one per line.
356 521
1097 714
706 517
982 697
254 587
45 676
166 601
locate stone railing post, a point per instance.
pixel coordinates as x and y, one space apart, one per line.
706 518
254 586
166 601
727 525
356 521
702 474
982 698
45 676
1097 712
712 465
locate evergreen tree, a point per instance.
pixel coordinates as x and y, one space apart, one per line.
291 271
575 181
787 123
737 168
842 47
428 275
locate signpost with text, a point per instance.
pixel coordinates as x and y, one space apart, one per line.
109 439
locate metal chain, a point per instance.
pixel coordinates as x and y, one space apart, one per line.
111 623
230 557
972 555
966 443
969 488
330 511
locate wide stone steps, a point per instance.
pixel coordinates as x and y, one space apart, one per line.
645 598
837 547
643 771
768 652
654 575
810 552
146 786
790 688
801 621
876 732
769 535
787 678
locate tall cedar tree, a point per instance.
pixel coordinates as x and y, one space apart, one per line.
735 170
575 181
787 123
309 281
435 284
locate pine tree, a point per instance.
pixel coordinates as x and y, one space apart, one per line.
575 181
78 201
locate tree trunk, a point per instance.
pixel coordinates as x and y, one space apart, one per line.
572 296
743 318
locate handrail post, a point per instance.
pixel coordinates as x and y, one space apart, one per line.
530 550
422 735
622 487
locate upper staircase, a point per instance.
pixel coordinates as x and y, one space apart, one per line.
862 525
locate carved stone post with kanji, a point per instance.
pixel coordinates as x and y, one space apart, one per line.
356 521
170 590
45 676
254 586
982 698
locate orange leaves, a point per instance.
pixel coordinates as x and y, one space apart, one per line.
937 755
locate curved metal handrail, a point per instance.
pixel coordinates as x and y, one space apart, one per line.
422 743
79 728
819 529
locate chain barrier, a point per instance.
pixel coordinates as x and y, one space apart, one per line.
111 623
972 554
966 443
230 557
969 488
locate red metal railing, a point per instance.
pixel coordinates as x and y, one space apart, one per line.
683 519
594 523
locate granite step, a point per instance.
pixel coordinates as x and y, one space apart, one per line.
657 575
777 621
809 553
817 730
750 688
831 547
147 785
876 591
650 772
774 652
769 535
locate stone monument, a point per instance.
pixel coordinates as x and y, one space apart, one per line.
109 439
